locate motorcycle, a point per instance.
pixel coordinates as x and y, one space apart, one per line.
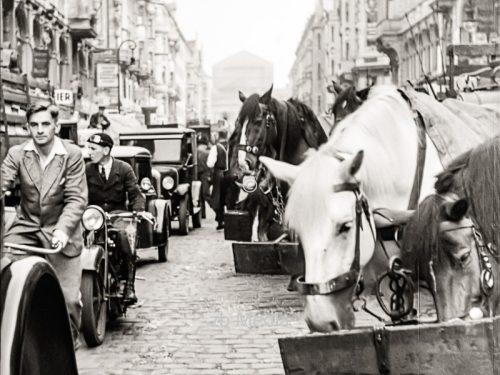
103 278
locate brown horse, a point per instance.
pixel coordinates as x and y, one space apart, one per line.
277 129
442 245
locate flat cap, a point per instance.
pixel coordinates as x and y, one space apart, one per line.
101 139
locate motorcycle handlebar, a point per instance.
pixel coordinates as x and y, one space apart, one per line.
131 215
34 249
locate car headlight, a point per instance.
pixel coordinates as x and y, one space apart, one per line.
168 183
146 184
93 218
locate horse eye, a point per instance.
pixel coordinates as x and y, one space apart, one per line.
249 148
465 257
345 227
255 150
344 104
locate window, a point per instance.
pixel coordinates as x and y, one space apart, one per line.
347 50
347 12
332 67
333 34
319 103
319 41
319 71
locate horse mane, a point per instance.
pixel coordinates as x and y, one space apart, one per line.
420 240
303 115
447 180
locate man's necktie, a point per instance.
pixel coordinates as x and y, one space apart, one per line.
102 172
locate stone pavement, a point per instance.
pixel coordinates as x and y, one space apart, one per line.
196 316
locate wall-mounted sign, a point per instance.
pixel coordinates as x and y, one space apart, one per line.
107 75
63 97
41 60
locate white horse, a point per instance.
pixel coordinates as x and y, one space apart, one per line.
372 154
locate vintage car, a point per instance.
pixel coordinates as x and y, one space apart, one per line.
149 236
175 162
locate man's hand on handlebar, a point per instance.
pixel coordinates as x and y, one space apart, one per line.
59 238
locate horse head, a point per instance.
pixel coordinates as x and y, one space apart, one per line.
326 208
443 250
255 135
347 101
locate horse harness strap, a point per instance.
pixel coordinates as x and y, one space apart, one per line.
353 276
419 171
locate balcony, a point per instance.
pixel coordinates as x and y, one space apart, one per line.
82 19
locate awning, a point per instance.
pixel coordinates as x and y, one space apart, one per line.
119 124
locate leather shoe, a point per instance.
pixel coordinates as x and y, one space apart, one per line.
130 297
220 226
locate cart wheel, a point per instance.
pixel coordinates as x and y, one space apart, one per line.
163 249
94 312
184 215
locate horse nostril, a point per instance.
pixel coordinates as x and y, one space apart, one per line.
334 325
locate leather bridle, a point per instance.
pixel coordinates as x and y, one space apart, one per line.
352 277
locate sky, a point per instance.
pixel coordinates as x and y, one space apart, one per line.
270 29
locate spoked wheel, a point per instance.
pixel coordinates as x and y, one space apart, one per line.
184 215
94 313
163 249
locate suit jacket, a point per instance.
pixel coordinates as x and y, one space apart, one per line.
111 195
54 198
94 121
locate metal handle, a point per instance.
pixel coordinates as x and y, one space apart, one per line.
34 249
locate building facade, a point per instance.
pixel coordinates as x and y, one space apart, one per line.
51 41
415 34
244 72
338 43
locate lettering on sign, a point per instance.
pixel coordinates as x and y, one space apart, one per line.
40 63
107 75
63 97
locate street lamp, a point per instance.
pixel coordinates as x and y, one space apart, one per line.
133 46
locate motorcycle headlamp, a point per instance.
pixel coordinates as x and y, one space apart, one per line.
93 218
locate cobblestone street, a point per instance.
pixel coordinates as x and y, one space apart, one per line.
196 316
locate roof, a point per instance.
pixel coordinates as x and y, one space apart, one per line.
159 131
129 151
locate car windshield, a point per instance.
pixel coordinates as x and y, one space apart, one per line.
163 150
143 168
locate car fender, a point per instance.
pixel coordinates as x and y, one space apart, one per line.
91 257
195 193
158 207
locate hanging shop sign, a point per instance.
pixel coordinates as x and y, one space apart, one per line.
107 75
41 60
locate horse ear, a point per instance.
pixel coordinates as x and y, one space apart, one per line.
266 98
280 170
456 211
337 87
242 96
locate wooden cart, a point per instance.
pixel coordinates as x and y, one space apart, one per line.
455 348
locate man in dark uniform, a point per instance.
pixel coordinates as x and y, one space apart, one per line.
110 181
204 172
98 120
217 159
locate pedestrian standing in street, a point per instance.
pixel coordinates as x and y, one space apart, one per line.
217 159
51 173
204 172
111 182
98 120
